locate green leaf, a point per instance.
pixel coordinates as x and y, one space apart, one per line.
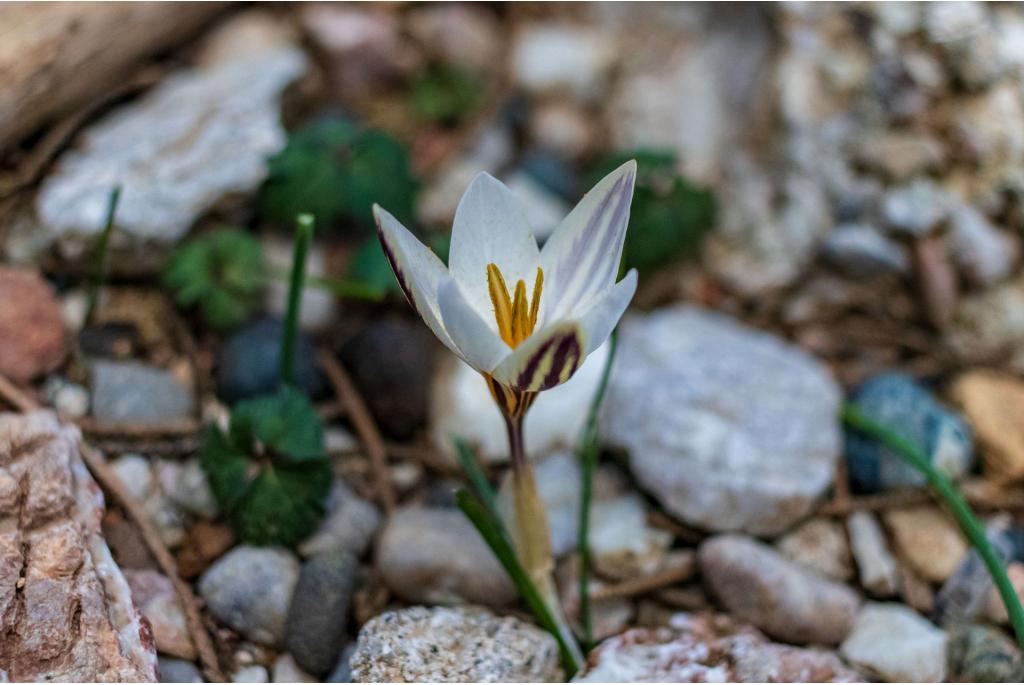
335 171
268 471
222 273
669 216
445 94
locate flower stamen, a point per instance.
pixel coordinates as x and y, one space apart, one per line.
515 318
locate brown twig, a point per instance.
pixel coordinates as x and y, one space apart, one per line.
111 483
677 573
171 429
979 493
100 470
364 424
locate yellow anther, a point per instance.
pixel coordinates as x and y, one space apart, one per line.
516 320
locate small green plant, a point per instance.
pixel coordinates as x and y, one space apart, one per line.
669 216
336 170
222 273
268 470
100 257
445 94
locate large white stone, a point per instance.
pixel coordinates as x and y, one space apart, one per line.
731 429
896 643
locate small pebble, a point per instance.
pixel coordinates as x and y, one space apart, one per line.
251 674
33 338
879 573
131 392
178 671
897 644
285 670
319 613
248 363
928 539
820 545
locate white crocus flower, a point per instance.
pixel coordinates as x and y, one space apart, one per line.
524 317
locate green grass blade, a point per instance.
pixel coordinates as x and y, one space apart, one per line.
481 486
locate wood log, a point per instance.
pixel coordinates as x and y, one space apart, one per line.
55 56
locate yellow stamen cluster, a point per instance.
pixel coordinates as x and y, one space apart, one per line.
516 319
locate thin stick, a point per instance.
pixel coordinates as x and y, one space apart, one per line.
100 274
364 424
961 511
644 584
111 483
303 237
14 396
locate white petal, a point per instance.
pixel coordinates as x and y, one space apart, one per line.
581 259
490 227
419 271
474 340
600 319
547 358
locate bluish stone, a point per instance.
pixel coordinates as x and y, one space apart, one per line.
132 392
906 407
552 172
248 363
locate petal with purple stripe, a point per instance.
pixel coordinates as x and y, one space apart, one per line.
546 359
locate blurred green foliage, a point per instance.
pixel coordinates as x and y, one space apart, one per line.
268 471
336 170
445 94
669 216
222 273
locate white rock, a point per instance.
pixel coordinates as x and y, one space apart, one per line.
318 305
916 208
463 407
201 134
729 428
285 670
949 21
898 18
621 542
135 473
186 485
984 253
251 674
820 545
879 573
897 644
861 251
562 58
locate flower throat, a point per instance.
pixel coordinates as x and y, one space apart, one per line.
515 317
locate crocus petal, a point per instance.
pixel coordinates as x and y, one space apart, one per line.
474 340
581 259
490 227
600 319
545 359
419 271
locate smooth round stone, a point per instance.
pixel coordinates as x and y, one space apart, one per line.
248 364
900 403
178 671
126 392
318 617
730 428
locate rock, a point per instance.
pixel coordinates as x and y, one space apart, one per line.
185 484
349 524
718 419
198 135
435 556
995 610
966 593
248 363
135 473
458 34
251 674
69 400
901 155
442 645
131 392
989 127
158 601
285 670
991 322
318 617
993 404
928 539
878 571
983 253
708 649
33 339
342 672
568 59
915 208
463 406
780 597
562 127
820 545
365 49
622 544
250 590
894 642
981 654
396 386
901 404
178 671
860 251
66 612
318 306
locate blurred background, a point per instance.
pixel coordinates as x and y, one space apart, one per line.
830 203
